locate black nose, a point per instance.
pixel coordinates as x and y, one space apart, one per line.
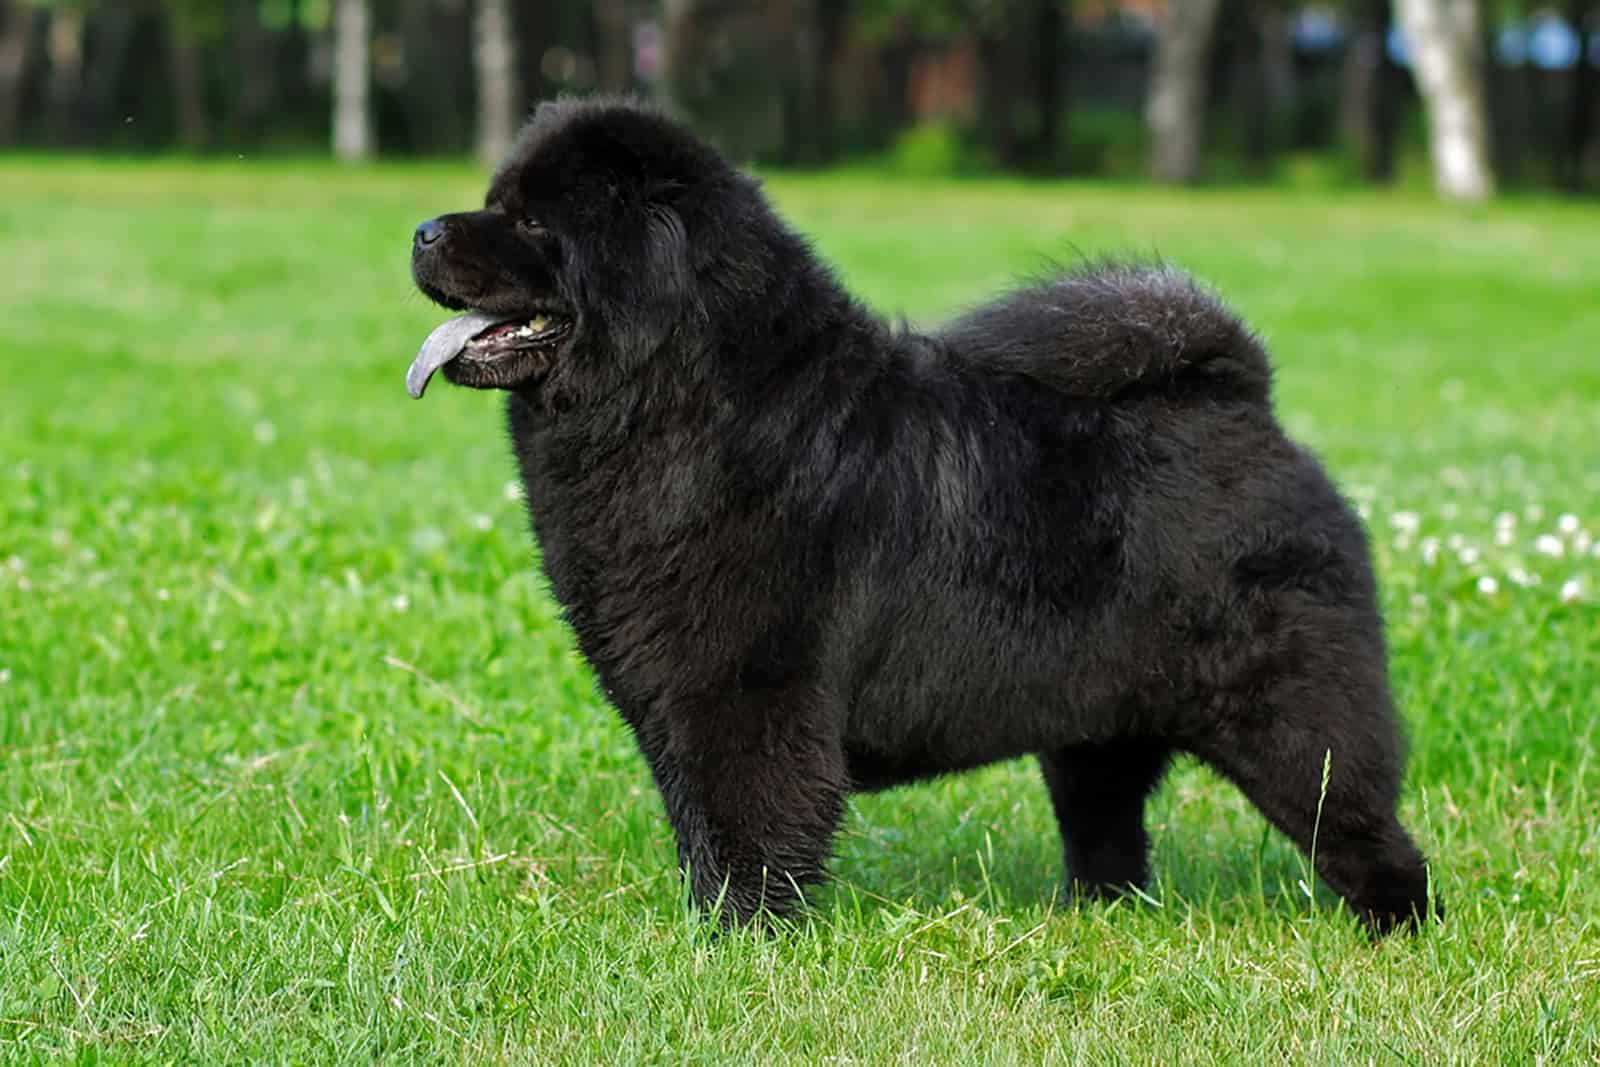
429 232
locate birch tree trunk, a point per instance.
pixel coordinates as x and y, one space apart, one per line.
495 56
352 74
1446 45
1176 108
16 40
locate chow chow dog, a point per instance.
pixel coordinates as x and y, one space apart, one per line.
807 553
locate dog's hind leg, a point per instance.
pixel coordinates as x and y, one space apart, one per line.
1275 744
1099 792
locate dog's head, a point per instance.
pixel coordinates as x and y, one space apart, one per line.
582 261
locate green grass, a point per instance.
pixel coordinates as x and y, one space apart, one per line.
297 763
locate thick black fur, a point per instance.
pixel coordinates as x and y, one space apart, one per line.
806 554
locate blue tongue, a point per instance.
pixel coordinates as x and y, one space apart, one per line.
444 344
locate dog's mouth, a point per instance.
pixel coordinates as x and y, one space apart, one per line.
483 342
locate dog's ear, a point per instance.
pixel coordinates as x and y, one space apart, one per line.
657 295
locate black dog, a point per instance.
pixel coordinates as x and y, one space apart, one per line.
807 554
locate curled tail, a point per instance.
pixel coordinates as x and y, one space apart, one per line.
1103 329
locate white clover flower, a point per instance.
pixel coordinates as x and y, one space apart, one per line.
1568 524
482 522
1580 542
266 433
1468 556
1365 511
1521 577
1454 542
428 539
1533 512
1571 590
5 675
1550 545
1504 536
1430 549
1408 521
1488 586
513 491
1505 518
400 602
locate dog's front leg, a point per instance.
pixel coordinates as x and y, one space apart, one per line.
754 784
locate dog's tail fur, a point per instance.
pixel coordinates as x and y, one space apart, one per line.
1103 329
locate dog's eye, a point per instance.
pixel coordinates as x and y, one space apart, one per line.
533 226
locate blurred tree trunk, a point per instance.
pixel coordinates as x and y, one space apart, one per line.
1001 88
1049 28
896 56
16 48
1273 87
188 83
677 36
255 56
613 46
1176 106
494 56
1581 106
65 44
352 80
830 24
429 99
1446 43
113 29
535 25
1367 113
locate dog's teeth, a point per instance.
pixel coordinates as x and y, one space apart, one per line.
539 323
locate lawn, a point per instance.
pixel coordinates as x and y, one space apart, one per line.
298 764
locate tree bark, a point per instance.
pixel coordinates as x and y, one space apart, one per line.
352 80
1446 45
1175 110
494 55
65 42
188 84
16 48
